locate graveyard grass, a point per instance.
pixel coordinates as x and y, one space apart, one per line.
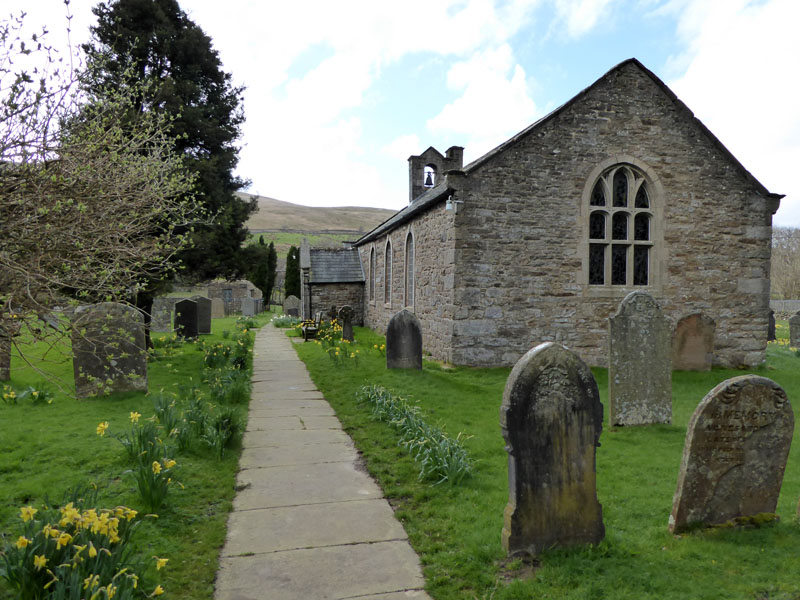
456 529
46 449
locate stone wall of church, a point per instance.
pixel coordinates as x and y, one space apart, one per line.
326 295
433 279
520 246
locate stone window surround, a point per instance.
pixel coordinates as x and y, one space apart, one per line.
656 196
409 302
372 274
387 274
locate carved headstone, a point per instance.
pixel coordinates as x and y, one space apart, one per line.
248 307
217 308
693 343
794 331
640 367
161 315
203 314
186 318
404 342
737 443
108 347
551 419
291 306
771 326
346 321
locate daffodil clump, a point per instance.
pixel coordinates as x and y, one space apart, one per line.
342 352
76 551
36 394
154 480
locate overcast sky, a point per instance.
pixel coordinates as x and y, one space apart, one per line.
341 93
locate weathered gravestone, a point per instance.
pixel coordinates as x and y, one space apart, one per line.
693 343
186 324
346 314
794 331
217 308
203 314
248 307
8 329
737 443
771 326
108 347
551 419
404 342
291 306
332 313
161 314
640 369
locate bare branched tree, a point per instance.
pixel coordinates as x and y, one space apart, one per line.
785 266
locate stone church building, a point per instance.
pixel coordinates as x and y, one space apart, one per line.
619 189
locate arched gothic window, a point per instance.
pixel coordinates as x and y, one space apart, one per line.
409 274
620 228
387 274
372 274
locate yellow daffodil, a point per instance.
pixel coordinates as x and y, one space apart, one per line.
130 514
135 579
39 561
169 463
91 582
156 467
26 513
161 562
111 590
22 542
63 540
158 591
92 551
135 416
101 428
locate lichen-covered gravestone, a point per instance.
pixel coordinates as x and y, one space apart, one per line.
737 443
108 346
794 330
161 315
186 318
8 329
404 342
217 308
203 314
248 307
551 419
346 321
291 306
639 363
693 343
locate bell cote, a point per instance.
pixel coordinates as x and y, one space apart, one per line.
427 170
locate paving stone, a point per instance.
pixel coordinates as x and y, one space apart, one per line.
305 455
293 438
322 410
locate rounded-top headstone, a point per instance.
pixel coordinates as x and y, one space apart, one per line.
551 418
737 443
693 343
404 341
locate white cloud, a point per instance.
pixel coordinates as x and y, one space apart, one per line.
494 104
742 81
403 147
580 16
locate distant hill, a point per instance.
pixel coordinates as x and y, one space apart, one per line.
276 216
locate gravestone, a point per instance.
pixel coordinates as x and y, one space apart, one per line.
108 347
8 330
161 315
737 443
640 367
332 313
404 342
346 320
217 308
771 326
248 307
693 343
203 314
551 419
794 331
291 306
186 318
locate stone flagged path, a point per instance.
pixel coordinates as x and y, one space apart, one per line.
308 522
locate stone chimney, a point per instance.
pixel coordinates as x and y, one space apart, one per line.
427 170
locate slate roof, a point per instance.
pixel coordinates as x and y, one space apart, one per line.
335 266
440 192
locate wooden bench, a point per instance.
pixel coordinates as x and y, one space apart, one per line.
310 328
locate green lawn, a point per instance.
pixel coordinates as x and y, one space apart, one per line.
47 449
456 530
